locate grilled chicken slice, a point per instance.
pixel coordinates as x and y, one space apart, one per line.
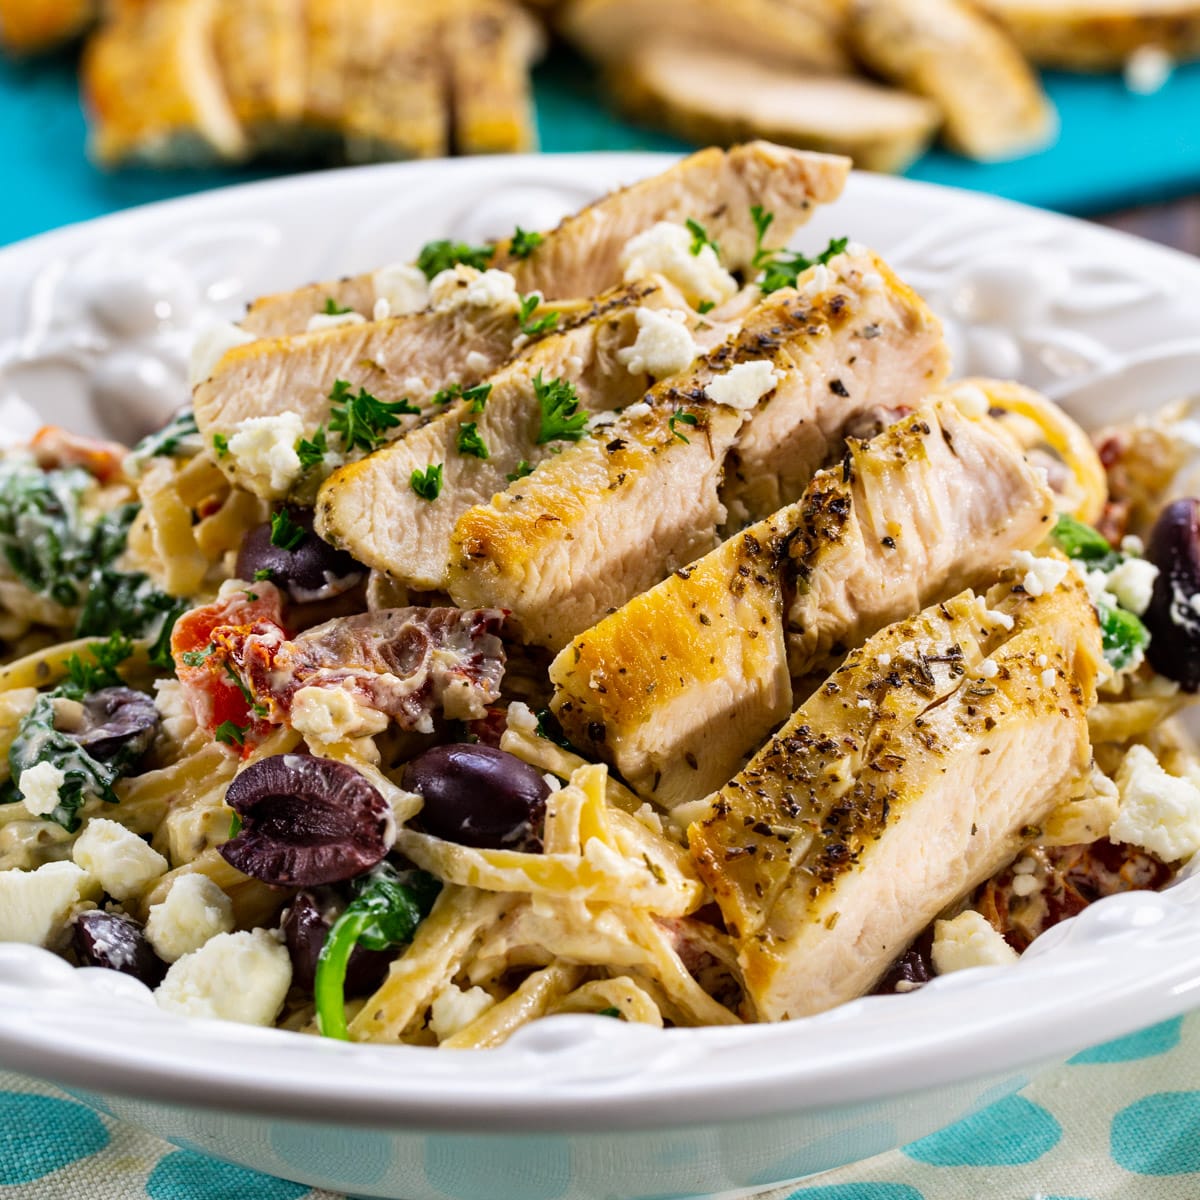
369 507
549 549
803 34
490 47
991 101
31 26
938 502
582 256
1099 35
906 780
857 339
260 48
399 358
706 92
153 87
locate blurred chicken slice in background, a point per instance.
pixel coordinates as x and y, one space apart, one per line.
31 26
708 94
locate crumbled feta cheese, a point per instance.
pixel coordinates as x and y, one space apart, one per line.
328 715
1025 885
265 448
820 279
320 321
1048 677
1041 574
1147 70
988 668
970 400
174 709
520 718
462 286
211 345
35 904
119 859
969 941
635 411
453 1010
39 786
744 384
663 347
666 249
1132 544
381 309
872 281
477 362
884 659
1024 866
1042 660
1159 812
195 910
1133 584
233 977
403 286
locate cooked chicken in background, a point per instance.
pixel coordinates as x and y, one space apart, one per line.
31 26
706 93
677 687
583 255
905 781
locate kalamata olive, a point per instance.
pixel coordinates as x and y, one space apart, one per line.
108 940
312 570
117 720
912 969
306 821
1173 622
305 927
477 795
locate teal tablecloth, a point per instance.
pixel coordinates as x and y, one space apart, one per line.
1119 1121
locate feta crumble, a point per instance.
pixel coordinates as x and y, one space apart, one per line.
477 362
194 911
666 249
117 858
453 1010
969 941
970 400
35 904
744 384
1042 574
1133 584
212 343
465 287
39 787
265 449
1159 812
233 977
664 344
403 286
328 715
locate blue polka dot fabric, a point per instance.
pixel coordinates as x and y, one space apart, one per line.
1117 1121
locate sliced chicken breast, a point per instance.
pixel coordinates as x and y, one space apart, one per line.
709 93
370 508
582 256
991 101
907 779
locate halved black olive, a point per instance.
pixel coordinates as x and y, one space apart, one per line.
1171 618
104 939
306 821
312 570
117 720
477 795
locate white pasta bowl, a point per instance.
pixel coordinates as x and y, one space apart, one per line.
95 323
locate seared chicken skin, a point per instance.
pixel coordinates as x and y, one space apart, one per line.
907 779
582 256
676 687
615 514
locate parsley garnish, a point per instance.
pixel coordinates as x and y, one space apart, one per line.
543 324
230 733
220 444
439 256
469 441
524 244
478 395
762 222
84 678
285 533
333 308
700 238
679 417
235 825
362 419
259 710
312 451
612 1011
562 418
523 469
197 658
784 269
262 574
427 483
706 306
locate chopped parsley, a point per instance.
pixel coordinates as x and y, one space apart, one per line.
197 658
469 441
235 825
611 1011
427 483
180 436
562 418
477 395
783 269
84 678
230 733
706 306
1122 635
333 308
523 469
534 326
220 444
679 417
263 574
361 419
286 533
523 244
762 222
259 710
700 238
439 256
312 451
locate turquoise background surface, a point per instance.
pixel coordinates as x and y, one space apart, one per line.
1116 148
